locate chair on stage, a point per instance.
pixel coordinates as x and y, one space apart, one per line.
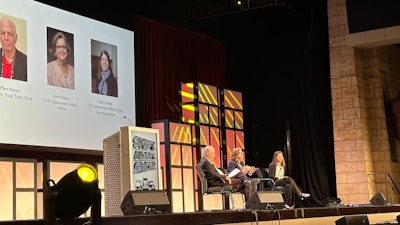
268 183
211 193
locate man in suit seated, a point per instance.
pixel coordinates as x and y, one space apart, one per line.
240 181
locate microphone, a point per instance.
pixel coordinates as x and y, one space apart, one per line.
128 120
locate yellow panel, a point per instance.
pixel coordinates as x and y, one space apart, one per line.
100 171
6 193
59 169
24 176
39 202
175 155
188 190
187 156
176 176
177 204
25 202
39 176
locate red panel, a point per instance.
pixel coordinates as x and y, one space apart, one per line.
187 92
215 136
163 164
188 113
239 139
160 126
204 135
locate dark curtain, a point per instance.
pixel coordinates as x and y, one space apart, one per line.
285 83
165 57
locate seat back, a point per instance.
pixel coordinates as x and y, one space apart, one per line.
268 185
262 173
202 179
205 189
224 190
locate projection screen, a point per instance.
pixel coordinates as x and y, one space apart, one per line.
37 112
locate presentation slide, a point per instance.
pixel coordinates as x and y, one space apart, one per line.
69 81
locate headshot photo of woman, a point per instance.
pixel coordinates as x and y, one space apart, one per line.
105 79
60 72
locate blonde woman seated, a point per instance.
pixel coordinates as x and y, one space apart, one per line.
237 162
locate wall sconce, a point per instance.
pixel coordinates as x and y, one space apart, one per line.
73 195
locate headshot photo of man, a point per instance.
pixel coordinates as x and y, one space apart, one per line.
13 61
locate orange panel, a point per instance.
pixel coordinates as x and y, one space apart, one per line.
233 99
214 116
239 120
208 94
204 135
180 133
203 114
229 118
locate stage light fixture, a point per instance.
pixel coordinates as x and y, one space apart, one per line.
73 195
238 3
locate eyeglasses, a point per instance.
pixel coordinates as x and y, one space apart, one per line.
61 47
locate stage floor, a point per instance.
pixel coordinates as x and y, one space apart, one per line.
386 214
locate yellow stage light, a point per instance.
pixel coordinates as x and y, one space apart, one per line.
73 195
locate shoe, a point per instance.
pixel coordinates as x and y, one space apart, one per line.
288 206
305 195
255 181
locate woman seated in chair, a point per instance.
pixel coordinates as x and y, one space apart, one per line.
277 171
239 183
237 162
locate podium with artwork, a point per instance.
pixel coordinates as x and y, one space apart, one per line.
131 163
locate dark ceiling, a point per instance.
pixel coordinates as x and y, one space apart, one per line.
216 18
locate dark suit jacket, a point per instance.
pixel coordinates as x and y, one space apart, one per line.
209 169
232 164
271 171
20 66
